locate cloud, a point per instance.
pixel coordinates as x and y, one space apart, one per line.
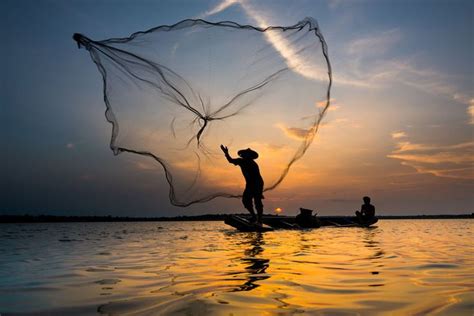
469 101
424 79
70 146
373 45
407 146
219 7
334 104
470 112
435 158
295 132
397 135
146 166
367 61
279 42
449 161
364 64
455 173
342 122
285 49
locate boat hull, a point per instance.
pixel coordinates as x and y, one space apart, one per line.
241 223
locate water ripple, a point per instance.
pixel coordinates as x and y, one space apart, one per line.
401 267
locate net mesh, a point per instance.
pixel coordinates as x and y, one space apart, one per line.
176 92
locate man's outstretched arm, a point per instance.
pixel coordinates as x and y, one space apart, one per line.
229 158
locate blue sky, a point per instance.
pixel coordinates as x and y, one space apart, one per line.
401 130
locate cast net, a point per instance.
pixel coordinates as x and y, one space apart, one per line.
175 93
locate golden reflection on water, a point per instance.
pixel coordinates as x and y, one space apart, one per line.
204 268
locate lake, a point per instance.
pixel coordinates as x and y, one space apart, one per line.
399 267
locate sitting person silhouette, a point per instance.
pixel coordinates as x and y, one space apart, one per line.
367 211
253 181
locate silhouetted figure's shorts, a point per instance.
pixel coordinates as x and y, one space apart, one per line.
255 194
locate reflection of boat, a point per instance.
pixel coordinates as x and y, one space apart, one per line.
295 222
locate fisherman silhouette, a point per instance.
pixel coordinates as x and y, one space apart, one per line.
367 211
253 192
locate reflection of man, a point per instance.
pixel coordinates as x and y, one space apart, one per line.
367 211
253 180
256 266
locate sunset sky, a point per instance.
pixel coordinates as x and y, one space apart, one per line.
400 128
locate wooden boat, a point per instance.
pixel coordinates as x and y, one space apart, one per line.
345 221
242 223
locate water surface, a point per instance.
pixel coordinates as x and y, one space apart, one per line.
400 267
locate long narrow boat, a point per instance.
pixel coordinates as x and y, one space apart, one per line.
242 223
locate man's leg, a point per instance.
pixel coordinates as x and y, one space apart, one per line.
247 201
259 207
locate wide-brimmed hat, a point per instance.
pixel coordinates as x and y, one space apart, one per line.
248 153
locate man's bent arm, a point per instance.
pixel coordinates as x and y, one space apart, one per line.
231 160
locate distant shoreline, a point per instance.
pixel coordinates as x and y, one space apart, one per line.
207 217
